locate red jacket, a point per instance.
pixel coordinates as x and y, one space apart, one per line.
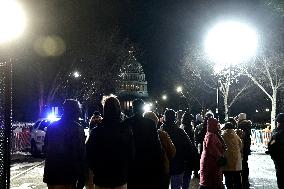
210 172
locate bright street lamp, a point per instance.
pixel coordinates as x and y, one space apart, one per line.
147 107
230 42
76 74
12 20
227 44
179 89
12 24
164 97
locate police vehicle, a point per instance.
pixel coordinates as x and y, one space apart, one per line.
38 133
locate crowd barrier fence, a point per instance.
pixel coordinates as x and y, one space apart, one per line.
260 137
21 137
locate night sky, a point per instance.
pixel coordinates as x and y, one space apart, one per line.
162 29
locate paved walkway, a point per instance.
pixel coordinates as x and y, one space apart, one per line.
262 174
262 171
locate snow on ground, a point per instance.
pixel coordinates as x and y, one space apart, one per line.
30 180
262 171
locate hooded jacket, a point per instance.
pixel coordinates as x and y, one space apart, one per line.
213 149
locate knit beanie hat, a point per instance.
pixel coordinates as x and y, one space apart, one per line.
242 116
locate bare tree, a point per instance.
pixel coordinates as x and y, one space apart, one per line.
198 79
267 73
98 63
198 72
276 5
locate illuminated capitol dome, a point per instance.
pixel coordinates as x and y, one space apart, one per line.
132 83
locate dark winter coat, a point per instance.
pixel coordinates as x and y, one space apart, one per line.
147 167
199 133
65 153
109 151
210 173
189 131
276 146
245 126
192 165
183 148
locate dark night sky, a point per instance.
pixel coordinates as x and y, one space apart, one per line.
160 28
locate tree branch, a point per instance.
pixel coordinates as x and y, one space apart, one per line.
259 85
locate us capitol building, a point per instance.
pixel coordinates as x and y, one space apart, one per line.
132 83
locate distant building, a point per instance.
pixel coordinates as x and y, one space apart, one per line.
132 84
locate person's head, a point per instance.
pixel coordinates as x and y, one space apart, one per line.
232 121
169 116
208 115
213 125
71 109
97 113
280 120
228 125
138 106
179 114
151 115
242 116
96 118
112 109
198 118
187 118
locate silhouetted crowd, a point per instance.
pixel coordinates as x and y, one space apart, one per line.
147 152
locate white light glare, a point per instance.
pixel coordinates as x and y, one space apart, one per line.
76 74
164 97
230 42
147 107
12 20
179 89
51 117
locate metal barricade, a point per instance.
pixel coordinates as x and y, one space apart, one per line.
21 138
260 137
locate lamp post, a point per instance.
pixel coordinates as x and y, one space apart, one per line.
163 103
179 89
12 24
76 74
227 44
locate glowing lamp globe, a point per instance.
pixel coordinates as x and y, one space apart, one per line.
231 42
179 89
12 20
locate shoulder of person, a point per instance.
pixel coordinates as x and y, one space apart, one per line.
181 132
147 120
97 130
163 133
